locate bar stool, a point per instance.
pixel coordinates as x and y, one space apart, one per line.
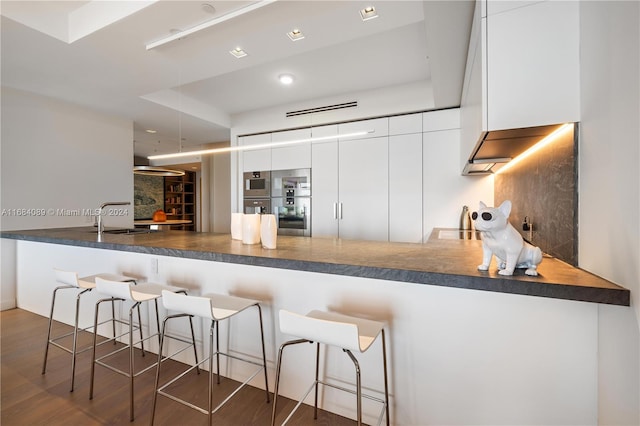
137 294
70 280
214 307
346 332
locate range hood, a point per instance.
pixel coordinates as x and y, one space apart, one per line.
497 147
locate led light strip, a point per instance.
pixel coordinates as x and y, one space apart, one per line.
257 146
538 146
210 23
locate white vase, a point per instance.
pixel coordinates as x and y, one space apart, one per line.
268 231
251 229
236 226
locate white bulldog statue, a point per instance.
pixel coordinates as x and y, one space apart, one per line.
501 239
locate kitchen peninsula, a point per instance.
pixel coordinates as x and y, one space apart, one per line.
443 334
443 262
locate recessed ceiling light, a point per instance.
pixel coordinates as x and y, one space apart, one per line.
285 79
295 35
151 131
208 8
368 13
238 52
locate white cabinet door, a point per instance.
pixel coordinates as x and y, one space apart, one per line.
296 156
364 189
405 188
533 74
377 126
258 159
405 124
324 189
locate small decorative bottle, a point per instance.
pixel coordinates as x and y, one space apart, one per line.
465 219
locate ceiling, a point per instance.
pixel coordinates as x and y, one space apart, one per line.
93 53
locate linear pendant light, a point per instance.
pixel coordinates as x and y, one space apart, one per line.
257 146
210 23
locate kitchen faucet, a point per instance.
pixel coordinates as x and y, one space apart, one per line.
102 206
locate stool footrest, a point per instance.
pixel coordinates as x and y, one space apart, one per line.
162 392
331 385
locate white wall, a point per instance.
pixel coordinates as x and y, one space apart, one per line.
609 193
58 159
58 156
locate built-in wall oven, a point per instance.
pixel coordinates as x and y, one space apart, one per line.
257 184
291 201
257 192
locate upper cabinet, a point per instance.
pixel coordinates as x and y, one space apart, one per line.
522 68
256 159
294 156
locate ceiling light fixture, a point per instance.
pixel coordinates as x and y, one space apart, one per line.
368 13
257 146
285 79
156 171
210 23
295 35
238 52
151 131
538 146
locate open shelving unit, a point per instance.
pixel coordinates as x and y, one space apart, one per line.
180 199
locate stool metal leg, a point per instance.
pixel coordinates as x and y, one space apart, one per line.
131 353
75 339
315 405
358 386
211 332
264 354
53 304
157 382
278 368
217 333
386 384
162 334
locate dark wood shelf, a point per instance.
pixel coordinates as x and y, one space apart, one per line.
180 199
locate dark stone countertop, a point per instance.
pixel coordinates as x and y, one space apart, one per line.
443 262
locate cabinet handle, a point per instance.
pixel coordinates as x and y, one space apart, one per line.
339 210
335 210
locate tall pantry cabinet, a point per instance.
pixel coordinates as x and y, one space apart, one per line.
369 187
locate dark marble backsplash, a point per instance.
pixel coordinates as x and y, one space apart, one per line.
543 187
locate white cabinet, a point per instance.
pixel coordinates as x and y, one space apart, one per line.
533 73
296 156
350 188
405 187
522 68
363 187
405 124
375 127
258 159
324 189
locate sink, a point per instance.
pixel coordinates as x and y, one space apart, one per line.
455 234
126 231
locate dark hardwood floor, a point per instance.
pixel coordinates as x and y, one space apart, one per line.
30 398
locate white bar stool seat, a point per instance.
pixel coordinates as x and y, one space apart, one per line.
333 329
137 294
70 280
216 308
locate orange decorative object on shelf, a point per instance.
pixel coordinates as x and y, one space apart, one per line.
159 216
